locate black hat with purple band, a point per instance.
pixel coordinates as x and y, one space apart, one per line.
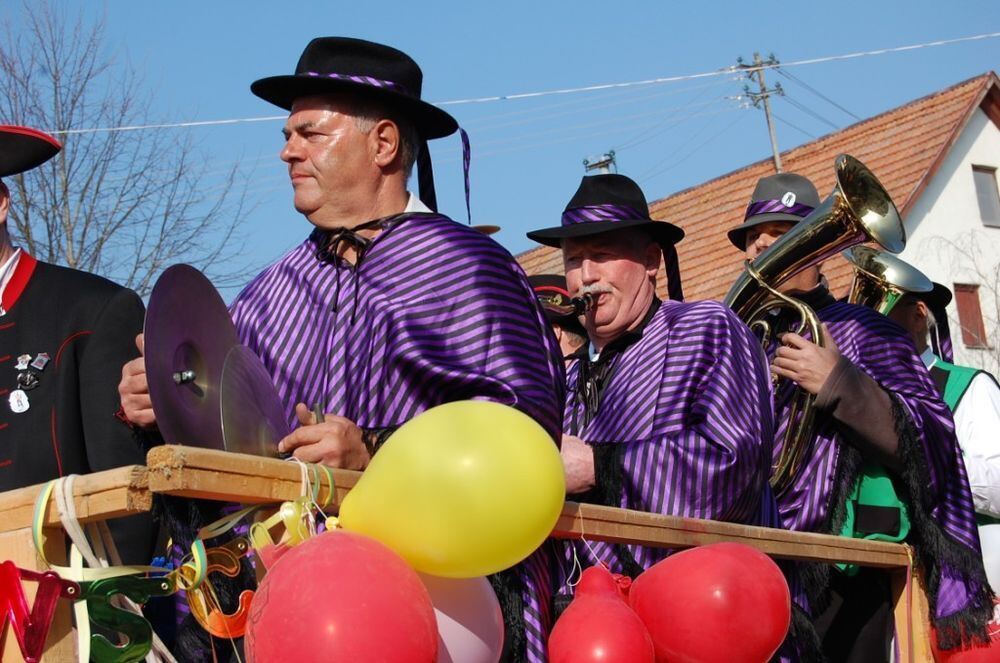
608 203
781 197
22 149
355 67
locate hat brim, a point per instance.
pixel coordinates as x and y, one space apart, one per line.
22 149
738 235
663 232
936 299
282 91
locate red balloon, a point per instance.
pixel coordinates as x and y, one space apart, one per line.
722 603
980 653
599 626
341 597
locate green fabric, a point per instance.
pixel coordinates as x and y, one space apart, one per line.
959 379
983 519
874 487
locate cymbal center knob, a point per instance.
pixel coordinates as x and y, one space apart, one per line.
183 377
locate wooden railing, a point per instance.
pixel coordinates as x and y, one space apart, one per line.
216 475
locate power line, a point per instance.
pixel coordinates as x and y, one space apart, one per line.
797 128
809 111
588 88
649 175
816 92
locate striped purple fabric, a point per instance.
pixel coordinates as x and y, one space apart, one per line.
690 405
591 213
770 206
363 80
882 350
436 312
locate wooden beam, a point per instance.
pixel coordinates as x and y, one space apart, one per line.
211 474
123 491
229 477
601 523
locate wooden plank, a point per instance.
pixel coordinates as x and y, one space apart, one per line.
602 523
122 491
18 547
218 475
211 474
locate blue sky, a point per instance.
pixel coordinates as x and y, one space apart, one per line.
199 58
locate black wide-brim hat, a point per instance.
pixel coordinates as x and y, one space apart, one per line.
607 203
22 148
331 65
937 299
782 197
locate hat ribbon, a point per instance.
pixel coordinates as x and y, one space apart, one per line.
363 80
592 213
767 206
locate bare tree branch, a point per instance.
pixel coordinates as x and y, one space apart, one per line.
123 204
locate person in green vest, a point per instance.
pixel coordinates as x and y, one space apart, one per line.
974 398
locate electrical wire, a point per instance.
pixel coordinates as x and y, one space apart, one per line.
819 94
589 88
808 111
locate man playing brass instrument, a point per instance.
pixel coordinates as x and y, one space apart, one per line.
877 415
668 408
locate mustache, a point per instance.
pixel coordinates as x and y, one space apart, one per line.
593 289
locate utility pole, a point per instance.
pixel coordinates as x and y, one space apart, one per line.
602 165
763 96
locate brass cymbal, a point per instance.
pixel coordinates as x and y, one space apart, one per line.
253 417
188 333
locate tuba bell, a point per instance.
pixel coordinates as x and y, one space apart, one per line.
858 210
881 279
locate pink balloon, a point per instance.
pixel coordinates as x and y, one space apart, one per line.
470 623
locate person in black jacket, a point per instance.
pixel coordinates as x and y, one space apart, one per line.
64 335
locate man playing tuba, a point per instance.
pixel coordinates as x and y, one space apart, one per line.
881 460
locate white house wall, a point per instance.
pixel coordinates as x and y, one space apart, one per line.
948 241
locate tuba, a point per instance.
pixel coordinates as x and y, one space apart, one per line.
858 210
881 279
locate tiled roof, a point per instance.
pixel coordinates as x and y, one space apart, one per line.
903 147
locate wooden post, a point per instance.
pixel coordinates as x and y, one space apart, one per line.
120 492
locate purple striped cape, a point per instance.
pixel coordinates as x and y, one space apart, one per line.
687 412
435 312
934 481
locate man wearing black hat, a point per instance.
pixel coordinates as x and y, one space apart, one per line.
561 310
65 334
668 407
882 463
387 308
973 396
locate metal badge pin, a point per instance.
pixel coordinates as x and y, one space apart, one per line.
18 401
41 359
22 362
27 380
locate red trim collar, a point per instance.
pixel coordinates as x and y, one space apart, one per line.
19 280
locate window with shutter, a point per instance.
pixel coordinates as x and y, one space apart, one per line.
987 195
970 315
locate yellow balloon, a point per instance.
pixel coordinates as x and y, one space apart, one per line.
464 489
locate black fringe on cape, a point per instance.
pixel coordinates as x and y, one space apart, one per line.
932 546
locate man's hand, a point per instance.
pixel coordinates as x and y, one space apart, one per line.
578 464
336 442
804 362
133 390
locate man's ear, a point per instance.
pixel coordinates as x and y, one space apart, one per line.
652 258
385 137
4 202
